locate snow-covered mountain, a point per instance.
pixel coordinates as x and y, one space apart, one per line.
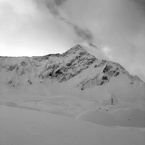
76 73
37 93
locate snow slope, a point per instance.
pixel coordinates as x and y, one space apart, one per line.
27 127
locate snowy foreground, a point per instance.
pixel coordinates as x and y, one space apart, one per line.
19 126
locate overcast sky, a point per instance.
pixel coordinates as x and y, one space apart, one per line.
39 27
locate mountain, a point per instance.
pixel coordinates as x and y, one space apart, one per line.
75 73
70 98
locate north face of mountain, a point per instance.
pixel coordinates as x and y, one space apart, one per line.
61 68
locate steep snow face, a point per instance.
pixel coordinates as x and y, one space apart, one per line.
102 74
62 67
70 64
75 72
59 67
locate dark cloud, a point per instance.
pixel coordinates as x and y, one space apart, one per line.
140 4
59 2
52 9
82 33
85 34
52 5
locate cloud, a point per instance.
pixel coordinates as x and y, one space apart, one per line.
107 52
37 25
83 33
59 2
52 5
140 4
116 24
28 28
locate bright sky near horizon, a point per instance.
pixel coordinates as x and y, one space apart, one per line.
39 27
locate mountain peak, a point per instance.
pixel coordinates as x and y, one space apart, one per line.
75 50
76 61
78 47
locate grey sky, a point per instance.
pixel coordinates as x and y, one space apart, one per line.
38 27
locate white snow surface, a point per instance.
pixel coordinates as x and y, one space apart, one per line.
27 127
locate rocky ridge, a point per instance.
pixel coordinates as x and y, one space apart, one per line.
61 68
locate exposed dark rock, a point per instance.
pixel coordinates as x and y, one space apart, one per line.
11 68
107 68
104 78
30 82
24 63
116 74
22 72
10 82
102 83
